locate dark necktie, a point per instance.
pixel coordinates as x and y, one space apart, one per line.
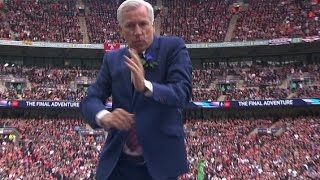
141 55
132 141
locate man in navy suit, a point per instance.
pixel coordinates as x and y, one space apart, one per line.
150 83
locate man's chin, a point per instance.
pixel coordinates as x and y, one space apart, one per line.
139 46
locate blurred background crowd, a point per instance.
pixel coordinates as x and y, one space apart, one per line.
227 147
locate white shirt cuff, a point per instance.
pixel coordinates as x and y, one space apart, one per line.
100 115
149 87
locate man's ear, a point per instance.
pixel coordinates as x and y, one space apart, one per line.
121 32
154 28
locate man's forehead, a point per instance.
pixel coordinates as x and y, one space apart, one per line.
136 21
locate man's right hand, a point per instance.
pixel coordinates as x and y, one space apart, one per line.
119 119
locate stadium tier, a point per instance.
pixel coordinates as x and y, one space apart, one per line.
221 81
254 111
235 148
94 21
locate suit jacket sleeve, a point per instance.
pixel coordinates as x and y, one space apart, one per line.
177 89
97 95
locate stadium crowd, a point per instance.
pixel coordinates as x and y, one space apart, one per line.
236 81
48 149
270 19
195 21
231 149
54 21
47 83
102 22
53 148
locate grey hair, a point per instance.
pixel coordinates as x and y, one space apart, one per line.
133 4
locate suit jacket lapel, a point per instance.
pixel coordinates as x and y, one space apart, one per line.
127 84
148 73
154 48
154 45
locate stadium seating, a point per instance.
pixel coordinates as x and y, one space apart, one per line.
194 21
209 83
54 21
270 19
48 149
231 149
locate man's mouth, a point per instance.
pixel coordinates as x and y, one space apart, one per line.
138 41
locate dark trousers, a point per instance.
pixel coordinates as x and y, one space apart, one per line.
131 168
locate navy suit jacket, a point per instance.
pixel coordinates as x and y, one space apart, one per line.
158 119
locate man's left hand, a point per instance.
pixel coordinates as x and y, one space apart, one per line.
137 71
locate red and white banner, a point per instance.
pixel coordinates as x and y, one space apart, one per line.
111 46
314 2
311 38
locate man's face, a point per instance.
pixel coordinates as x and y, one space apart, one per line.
137 29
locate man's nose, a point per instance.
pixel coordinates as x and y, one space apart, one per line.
137 30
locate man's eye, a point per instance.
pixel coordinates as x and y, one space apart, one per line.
143 24
130 26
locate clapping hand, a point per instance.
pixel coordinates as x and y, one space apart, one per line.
119 119
137 70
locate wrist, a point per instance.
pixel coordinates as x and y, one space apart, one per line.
100 116
145 89
148 88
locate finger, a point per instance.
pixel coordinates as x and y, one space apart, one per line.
123 119
133 67
133 50
138 65
136 57
121 124
116 120
127 115
134 54
131 61
117 124
125 124
136 77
